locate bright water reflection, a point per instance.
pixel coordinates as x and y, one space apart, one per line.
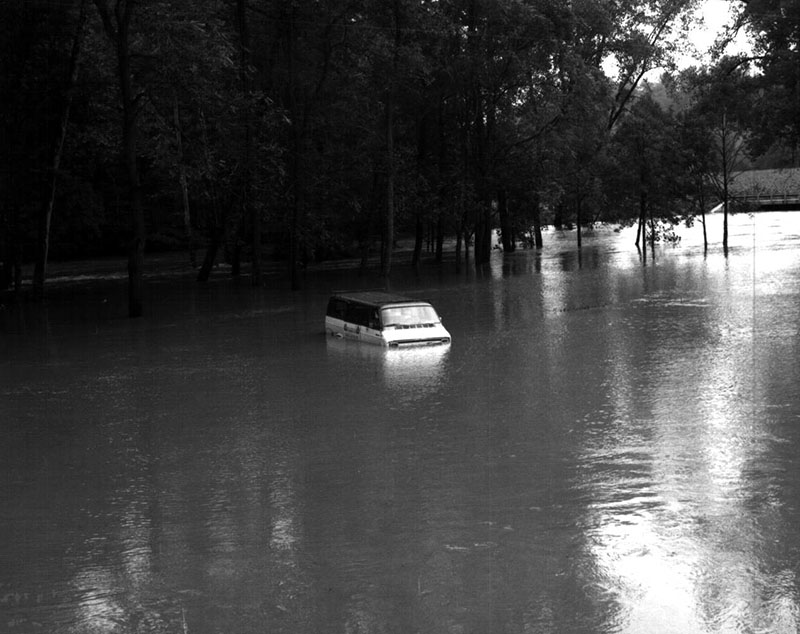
607 446
407 374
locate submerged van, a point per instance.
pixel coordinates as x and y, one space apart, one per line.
384 319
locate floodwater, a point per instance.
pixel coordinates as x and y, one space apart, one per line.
607 446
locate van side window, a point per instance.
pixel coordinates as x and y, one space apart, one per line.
337 308
374 319
358 314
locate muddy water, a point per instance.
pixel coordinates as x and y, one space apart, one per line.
607 446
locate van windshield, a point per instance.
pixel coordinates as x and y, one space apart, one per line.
409 316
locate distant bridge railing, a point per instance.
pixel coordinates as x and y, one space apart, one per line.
769 199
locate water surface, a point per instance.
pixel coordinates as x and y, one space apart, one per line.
608 446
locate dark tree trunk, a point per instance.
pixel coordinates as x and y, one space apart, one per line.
117 30
211 255
652 234
249 210
419 238
703 220
643 226
366 232
136 245
386 263
558 217
297 134
5 269
235 245
506 231
18 269
460 228
537 223
439 239
483 236
458 251
705 235
294 246
640 229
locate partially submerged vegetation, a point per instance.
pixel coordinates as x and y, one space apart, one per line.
305 132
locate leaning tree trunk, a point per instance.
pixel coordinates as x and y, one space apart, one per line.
187 217
389 226
640 227
725 176
703 220
43 246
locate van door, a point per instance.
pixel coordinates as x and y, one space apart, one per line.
372 332
356 321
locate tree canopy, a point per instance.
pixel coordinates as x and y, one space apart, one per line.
316 130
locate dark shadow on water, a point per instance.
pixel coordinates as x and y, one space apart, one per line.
588 257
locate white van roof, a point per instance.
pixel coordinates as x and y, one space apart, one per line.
376 298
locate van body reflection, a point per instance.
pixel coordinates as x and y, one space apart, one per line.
408 373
